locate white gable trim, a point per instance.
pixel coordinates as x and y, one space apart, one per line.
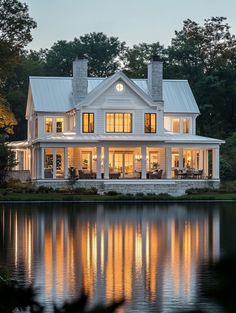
29 105
107 83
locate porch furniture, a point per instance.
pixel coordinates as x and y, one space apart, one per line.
155 174
114 175
87 175
178 173
198 174
48 173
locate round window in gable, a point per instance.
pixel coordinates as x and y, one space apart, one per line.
119 87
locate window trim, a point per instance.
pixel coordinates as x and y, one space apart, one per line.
89 113
118 132
150 113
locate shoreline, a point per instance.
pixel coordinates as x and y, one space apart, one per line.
94 198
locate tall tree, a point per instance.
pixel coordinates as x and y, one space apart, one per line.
206 56
103 52
137 57
15 33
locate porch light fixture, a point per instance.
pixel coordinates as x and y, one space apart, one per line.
138 157
119 87
94 157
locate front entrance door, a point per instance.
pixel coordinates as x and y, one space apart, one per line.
123 162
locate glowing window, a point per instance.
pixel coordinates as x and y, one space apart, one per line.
150 123
176 125
88 123
48 125
60 124
118 122
119 87
186 125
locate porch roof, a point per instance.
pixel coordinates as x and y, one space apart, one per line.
166 138
18 144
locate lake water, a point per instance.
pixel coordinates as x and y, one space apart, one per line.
151 254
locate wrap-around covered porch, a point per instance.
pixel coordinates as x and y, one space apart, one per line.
113 161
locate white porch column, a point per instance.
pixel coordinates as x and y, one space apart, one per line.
181 158
205 163
144 162
66 162
168 162
54 162
99 159
106 162
201 161
215 163
42 162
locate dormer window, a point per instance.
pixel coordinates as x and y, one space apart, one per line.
48 125
60 124
176 125
186 125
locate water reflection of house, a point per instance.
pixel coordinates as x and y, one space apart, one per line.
147 255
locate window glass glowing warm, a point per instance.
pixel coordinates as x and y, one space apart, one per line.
118 122
88 122
176 125
48 125
119 87
186 125
150 123
60 124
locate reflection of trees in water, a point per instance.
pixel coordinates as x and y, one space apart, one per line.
145 253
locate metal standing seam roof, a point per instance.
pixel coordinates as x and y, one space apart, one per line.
54 94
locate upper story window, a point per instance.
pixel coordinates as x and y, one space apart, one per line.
59 124
48 125
150 123
186 125
176 125
118 122
88 122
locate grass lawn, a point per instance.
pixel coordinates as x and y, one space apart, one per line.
56 196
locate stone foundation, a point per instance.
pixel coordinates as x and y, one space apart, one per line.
172 187
22 175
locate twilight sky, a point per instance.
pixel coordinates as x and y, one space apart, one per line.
133 21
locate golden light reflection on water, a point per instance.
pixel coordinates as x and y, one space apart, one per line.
112 255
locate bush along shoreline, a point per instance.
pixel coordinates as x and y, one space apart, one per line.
18 191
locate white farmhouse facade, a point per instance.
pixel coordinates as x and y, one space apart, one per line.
116 133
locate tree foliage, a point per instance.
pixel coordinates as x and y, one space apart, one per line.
137 58
15 33
7 160
206 56
103 52
7 118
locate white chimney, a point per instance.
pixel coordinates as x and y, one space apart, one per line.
80 79
155 78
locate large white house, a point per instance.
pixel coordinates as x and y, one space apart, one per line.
116 133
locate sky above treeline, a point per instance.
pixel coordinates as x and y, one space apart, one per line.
133 21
